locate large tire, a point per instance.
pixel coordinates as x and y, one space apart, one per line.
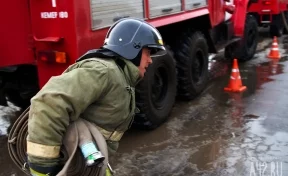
155 94
277 26
245 49
19 86
285 17
276 30
191 55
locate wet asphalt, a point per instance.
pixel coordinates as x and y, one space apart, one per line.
217 134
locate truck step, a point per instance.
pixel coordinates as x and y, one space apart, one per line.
266 12
265 22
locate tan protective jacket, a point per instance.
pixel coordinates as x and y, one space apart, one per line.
93 89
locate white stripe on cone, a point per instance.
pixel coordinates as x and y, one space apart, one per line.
239 77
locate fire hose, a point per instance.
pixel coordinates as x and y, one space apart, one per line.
70 152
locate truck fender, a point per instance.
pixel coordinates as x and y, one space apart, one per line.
238 18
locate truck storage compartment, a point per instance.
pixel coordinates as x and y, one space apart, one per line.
105 13
193 4
160 8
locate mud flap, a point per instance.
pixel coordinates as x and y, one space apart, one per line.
238 18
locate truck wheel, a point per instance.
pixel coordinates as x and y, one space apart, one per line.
192 65
155 94
19 86
245 49
285 31
277 26
276 30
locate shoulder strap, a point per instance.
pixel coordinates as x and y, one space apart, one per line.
120 63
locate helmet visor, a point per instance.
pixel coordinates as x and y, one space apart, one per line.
156 50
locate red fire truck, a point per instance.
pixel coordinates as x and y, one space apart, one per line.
40 38
271 13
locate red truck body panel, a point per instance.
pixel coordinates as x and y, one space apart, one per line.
16 42
66 26
54 32
276 6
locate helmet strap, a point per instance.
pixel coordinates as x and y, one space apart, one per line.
136 61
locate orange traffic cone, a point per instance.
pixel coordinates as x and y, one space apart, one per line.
235 83
274 52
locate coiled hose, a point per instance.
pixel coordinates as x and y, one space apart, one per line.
70 152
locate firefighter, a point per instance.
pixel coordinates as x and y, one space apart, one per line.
98 87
